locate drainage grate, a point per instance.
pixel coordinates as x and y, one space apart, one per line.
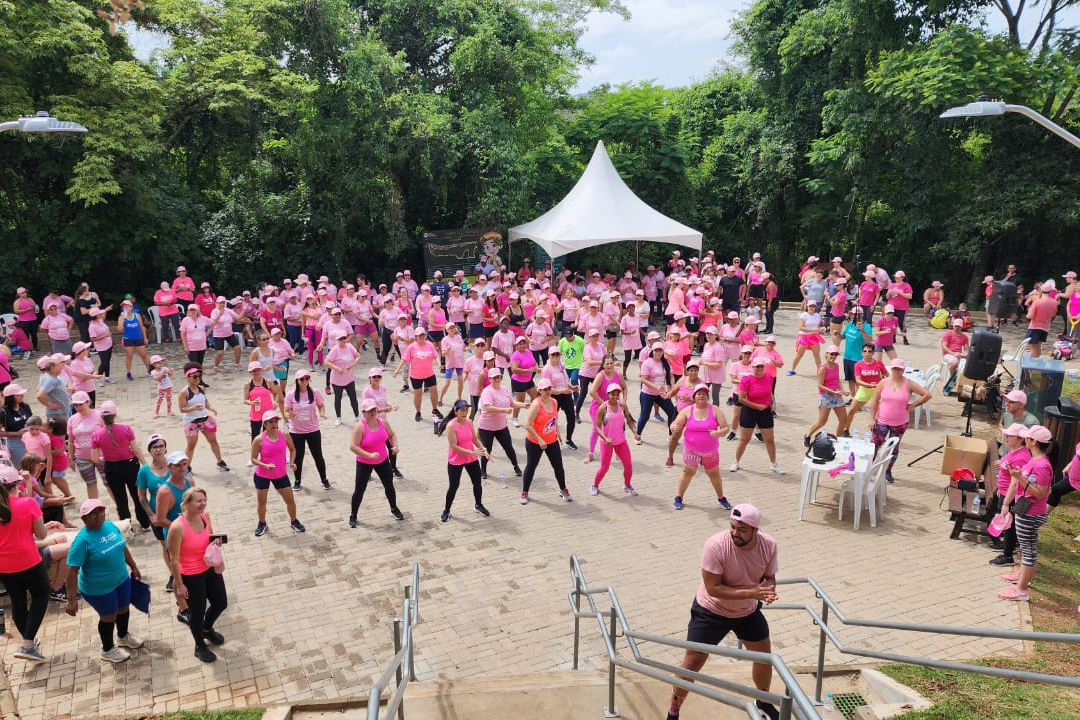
847 703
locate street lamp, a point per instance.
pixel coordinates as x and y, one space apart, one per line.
983 108
42 123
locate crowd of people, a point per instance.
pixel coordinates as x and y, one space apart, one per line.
685 333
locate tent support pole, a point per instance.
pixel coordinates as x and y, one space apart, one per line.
637 255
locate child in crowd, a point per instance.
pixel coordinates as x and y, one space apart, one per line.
57 429
163 375
52 506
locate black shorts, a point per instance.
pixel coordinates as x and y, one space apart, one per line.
420 383
849 370
436 336
1036 336
836 320
709 629
489 330
884 348
476 330
520 386
279 483
221 342
757 291
751 418
693 324
611 334
127 342
159 532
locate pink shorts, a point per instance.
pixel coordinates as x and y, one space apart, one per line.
693 460
365 328
810 340
208 424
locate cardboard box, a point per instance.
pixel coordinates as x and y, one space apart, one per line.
960 451
960 501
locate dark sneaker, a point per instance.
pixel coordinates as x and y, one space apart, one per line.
731 436
352 522
677 504
260 529
723 501
1002 560
222 466
888 477
297 526
418 417
32 653
326 484
397 514
480 509
768 710
483 475
169 585
445 515
296 485
517 472
184 616
205 654
570 444
60 595
398 475
759 437
437 414
213 636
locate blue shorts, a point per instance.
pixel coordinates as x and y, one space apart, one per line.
450 372
110 603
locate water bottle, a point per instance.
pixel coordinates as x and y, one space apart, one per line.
828 706
976 505
502 480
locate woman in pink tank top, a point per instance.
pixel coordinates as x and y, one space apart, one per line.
372 442
598 394
612 419
202 586
890 407
831 396
463 454
268 452
700 428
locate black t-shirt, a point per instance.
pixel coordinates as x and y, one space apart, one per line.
14 420
87 303
730 286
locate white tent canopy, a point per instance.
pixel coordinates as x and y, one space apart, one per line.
602 209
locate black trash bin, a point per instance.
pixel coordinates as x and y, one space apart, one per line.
1063 422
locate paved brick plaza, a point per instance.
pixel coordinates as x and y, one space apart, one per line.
310 614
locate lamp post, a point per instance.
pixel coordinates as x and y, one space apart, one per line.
984 108
42 123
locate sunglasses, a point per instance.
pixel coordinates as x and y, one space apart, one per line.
376 377
159 446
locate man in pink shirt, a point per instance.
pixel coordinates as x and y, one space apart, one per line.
954 345
1040 314
738 577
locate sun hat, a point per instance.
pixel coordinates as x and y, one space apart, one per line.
79 397
90 506
747 514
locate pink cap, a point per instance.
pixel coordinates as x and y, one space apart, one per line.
1040 434
680 315
747 349
1070 275
156 359
935 284
747 514
757 362
958 323
77 398
711 330
220 299
43 362
254 365
899 273
770 339
897 364
109 408
543 384
593 332
837 259
375 372
889 308
20 291
300 375
1016 396
832 349
181 268
420 331
192 371
489 355
479 342
733 315
270 415
699 387
693 362
656 346
1016 430
368 405
869 273
752 320
1048 286
80 346
126 302
521 339
59 357
611 387
16 389
494 373
90 506
988 279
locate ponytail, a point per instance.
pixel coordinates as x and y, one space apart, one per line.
5 505
441 427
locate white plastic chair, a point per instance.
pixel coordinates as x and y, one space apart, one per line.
870 497
920 409
1019 354
4 317
156 318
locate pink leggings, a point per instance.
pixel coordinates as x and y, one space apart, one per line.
593 437
166 395
623 451
313 338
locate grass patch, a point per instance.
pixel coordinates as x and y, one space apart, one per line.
1055 594
235 714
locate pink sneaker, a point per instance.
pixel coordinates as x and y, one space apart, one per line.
669 463
1012 577
1013 593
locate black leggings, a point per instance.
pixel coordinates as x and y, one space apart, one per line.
583 392
120 477
1057 491
206 587
195 356
349 390
104 361
488 438
565 402
305 440
901 319
453 472
363 474
35 582
532 459
475 400
30 328
627 356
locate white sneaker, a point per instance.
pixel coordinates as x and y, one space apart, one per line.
337 422
129 641
515 423
116 655
250 464
734 467
776 469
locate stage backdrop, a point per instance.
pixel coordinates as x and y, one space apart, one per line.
453 250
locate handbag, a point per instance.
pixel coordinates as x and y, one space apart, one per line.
140 595
1021 505
214 557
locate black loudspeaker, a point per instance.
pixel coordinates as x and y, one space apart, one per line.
1002 303
984 353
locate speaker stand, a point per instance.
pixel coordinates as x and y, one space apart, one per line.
966 433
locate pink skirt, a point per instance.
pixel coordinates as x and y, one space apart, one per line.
809 340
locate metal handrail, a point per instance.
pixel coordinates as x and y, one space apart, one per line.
797 701
794 701
403 657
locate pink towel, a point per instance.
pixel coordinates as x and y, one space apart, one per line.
849 465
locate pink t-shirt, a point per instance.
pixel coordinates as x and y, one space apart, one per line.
453 350
539 335
868 292
422 360
342 355
955 342
261 399
56 326
557 375
889 324
379 396
85 366
99 329
898 301
526 362
1074 469
474 372
773 360
1038 471
455 308
492 396
37 443
503 342
712 352
115 447
892 409
81 430
463 436
594 352
758 389
194 332
18 551
223 320
738 567
1041 313
1018 458
303 413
